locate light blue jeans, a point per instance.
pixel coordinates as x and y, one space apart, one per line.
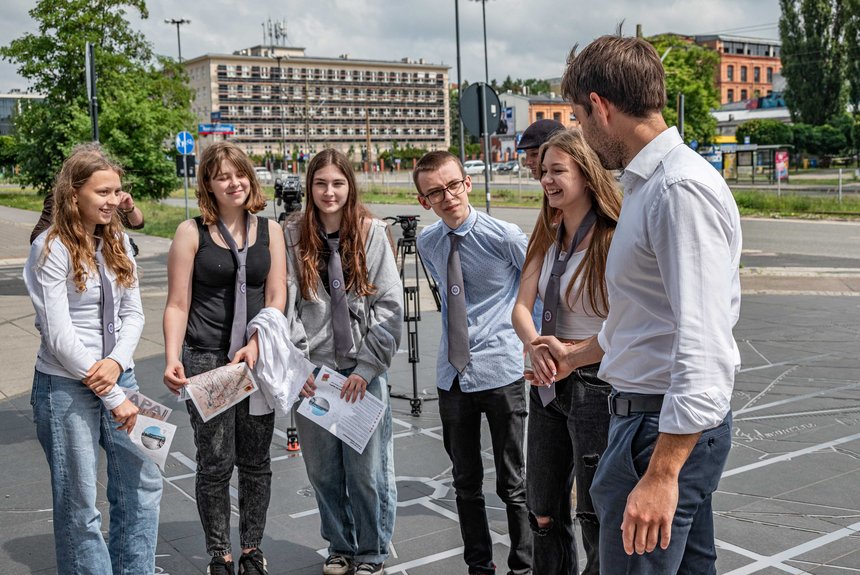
71 423
356 494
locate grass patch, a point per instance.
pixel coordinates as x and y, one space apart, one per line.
753 202
161 220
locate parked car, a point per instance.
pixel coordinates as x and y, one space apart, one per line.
474 167
511 167
264 176
497 166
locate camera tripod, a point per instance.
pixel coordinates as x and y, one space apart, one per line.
406 247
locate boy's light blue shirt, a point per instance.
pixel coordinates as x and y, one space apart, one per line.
492 253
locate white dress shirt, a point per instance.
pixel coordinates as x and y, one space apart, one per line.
70 321
674 288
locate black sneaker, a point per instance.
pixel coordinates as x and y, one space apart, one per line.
337 565
369 569
218 566
253 563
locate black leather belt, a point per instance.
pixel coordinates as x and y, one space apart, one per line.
624 406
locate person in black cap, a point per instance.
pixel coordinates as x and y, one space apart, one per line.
533 138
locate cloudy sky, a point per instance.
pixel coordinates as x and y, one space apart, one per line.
526 38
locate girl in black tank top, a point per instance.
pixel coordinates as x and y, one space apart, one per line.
198 329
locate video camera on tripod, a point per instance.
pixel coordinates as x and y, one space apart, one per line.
288 192
409 224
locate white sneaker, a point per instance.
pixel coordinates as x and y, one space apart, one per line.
337 565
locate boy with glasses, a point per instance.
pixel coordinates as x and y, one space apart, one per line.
477 261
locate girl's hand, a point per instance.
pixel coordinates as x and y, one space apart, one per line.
102 376
353 389
249 354
309 387
543 365
126 415
174 376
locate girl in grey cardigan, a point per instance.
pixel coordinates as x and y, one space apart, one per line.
345 308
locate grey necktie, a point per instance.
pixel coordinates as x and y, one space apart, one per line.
339 307
240 296
551 294
107 311
458 325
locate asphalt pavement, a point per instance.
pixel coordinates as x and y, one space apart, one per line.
788 502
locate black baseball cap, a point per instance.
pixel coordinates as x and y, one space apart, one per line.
538 133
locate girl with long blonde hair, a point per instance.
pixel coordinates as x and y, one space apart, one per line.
568 419
82 281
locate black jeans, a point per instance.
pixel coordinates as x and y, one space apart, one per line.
566 440
232 438
505 408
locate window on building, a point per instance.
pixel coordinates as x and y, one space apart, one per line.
730 95
231 71
743 94
730 73
264 71
539 116
556 116
743 73
756 74
769 75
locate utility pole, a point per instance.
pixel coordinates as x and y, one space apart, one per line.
179 23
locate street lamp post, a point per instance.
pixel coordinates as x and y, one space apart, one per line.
459 81
281 102
178 23
488 159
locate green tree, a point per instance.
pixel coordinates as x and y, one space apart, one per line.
691 70
143 101
7 155
813 57
765 132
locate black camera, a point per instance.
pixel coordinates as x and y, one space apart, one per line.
288 192
408 223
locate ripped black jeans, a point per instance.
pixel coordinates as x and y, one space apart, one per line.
565 442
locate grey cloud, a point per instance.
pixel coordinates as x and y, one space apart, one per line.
528 38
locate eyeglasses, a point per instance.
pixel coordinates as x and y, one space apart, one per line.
438 195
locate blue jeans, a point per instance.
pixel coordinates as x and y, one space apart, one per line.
631 444
356 493
71 423
505 408
566 440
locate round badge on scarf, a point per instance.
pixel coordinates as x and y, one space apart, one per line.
242 288
110 327
547 316
455 290
335 284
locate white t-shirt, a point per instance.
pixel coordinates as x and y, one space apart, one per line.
575 319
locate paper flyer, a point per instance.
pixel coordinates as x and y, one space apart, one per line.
148 407
352 423
153 437
215 391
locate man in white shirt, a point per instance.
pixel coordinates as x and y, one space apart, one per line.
674 297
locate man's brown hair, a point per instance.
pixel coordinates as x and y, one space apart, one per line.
625 71
432 161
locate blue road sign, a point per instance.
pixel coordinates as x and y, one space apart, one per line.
184 143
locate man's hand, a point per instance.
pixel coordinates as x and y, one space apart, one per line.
353 389
126 415
102 376
309 387
560 354
542 365
648 515
174 376
652 503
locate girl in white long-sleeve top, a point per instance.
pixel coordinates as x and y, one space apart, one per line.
83 283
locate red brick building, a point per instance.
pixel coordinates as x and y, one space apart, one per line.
747 65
